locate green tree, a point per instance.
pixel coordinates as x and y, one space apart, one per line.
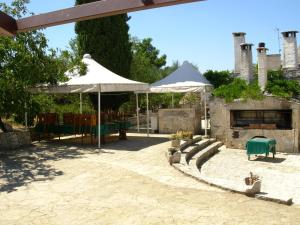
238 88
146 63
281 87
148 66
218 78
25 60
107 40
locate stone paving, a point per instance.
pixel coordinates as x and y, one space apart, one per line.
280 176
127 182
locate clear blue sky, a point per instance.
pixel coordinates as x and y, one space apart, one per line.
198 32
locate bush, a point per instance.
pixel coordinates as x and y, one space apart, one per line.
238 88
281 87
218 78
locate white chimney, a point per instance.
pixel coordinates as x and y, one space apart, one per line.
239 38
290 50
246 62
262 63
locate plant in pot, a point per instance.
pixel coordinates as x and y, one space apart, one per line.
187 135
175 140
253 184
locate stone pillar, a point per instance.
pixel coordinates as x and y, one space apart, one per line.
299 55
238 38
246 62
262 62
290 50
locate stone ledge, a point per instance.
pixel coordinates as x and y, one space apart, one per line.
14 140
186 144
198 149
207 153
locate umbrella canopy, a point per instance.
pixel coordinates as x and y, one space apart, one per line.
185 79
97 78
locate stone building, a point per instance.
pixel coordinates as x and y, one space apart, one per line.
235 123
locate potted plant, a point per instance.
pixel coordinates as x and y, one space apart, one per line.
175 140
253 184
187 135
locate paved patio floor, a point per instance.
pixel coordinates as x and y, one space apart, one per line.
127 182
280 176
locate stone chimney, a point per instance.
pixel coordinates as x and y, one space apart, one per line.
290 50
298 55
262 62
246 62
239 38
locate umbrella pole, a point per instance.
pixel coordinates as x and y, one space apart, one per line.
26 117
173 100
205 113
147 100
80 97
99 119
137 113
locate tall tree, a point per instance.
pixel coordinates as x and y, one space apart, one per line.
146 64
25 60
107 40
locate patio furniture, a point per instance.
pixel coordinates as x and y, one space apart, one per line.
84 124
260 145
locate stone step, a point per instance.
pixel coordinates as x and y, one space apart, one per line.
198 147
187 144
207 153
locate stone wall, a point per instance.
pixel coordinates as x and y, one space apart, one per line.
172 120
274 61
287 140
13 140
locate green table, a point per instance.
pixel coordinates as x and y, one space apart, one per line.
261 146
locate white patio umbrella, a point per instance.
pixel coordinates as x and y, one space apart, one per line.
97 79
185 79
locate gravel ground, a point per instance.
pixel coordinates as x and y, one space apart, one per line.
127 182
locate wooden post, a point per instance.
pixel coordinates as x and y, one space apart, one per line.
93 10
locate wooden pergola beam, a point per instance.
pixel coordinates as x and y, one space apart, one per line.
8 25
92 10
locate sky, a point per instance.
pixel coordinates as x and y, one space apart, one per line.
200 32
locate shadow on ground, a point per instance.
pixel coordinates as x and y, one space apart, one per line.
131 143
270 160
21 167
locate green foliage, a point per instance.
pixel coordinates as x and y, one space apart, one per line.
145 68
238 88
17 8
25 60
71 59
146 63
107 40
281 87
218 78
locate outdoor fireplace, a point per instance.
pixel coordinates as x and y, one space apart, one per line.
261 119
236 122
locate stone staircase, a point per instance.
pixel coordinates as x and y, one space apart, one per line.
195 154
